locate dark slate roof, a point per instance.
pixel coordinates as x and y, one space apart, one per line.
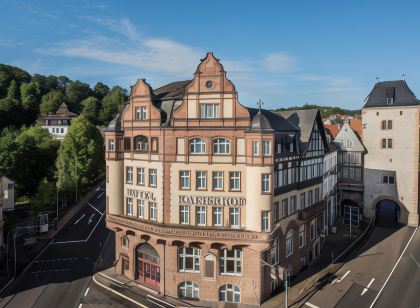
267 120
115 124
62 113
333 146
397 89
172 91
303 119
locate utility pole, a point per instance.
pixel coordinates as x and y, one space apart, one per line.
75 172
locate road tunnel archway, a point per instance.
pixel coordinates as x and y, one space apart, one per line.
387 213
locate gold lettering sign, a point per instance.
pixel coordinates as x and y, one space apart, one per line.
141 194
210 200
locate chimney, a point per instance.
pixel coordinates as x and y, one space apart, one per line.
403 77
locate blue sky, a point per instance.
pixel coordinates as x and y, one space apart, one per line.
285 52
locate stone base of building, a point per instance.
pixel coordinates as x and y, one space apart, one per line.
413 219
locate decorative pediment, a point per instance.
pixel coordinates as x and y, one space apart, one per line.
141 88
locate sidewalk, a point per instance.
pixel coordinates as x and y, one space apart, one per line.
318 269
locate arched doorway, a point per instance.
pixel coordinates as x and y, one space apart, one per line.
147 265
388 213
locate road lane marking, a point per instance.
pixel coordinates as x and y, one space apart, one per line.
344 276
311 305
393 269
80 306
55 260
159 300
415 261
68 242
87 290
80 219
90 218
118 293
96 209
155 303
94 228
100 195
334 281
368 286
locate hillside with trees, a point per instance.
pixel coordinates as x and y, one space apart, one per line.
326 111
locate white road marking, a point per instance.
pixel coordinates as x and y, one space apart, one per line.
368 286
87 290
95 209
79 219
68 242
99 220
344 276
55 260
80 306
311 305
334 281
54 270
393 269
415 261
100 195
155 303
90 218
159 300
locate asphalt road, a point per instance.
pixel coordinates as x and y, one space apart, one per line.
361 278
60 275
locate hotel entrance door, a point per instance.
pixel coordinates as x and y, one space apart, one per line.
148 265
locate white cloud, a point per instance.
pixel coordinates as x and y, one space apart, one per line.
279 62
333 84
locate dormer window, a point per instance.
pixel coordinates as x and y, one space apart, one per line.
209 111
390 95
389 100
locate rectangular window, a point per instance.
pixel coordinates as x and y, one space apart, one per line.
127 144
265 183
310 198
231 262
235 181
292 204
184 212
155 144
388 179
266 147
209 111
153 211
140 176
201 215
234 217
389 124
301 236
255 148
189 259
111 145
316 194
217 216
289 243
140 208
265 221
302 201
313 229
129 206
141 113
153 177
129 174
285 207
389 143
217 180
184 180
201 180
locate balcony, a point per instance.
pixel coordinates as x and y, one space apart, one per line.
312 210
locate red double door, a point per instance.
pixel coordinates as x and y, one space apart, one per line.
148 272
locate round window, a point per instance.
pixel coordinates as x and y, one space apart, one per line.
209 84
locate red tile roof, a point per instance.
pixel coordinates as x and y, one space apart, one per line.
356 125
332 129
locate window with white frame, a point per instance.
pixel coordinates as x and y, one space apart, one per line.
302 200
265 221
209 111
292 202
153 211
388 179
255 148
129 174
153 177
235 181
140 208
184 179
141 143
201 180
265 182
275 252
141 113
140 176
235 217
284 208
229 293
197 146
289 243
221 146
184 215
217 216
111 145
313 229
231 262
189 259
217 180
200 215
189 290
266 147
302 236
129 206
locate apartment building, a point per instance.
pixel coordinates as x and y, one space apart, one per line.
390 119
58 123
211 200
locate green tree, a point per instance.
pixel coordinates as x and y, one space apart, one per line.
100 90
45 196
81 155
9 73
29 93
91 109
76 92
50 102
111 105
10 107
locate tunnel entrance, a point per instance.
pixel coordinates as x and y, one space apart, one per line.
388 213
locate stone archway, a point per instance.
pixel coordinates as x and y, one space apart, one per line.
147 265
387 213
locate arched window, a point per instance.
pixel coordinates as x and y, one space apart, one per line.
189 290
289 243
221 146
389 124
383 124
124 241
275 252
230 293
210 266
141 143
197 146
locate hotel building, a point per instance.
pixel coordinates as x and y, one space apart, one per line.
211 200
